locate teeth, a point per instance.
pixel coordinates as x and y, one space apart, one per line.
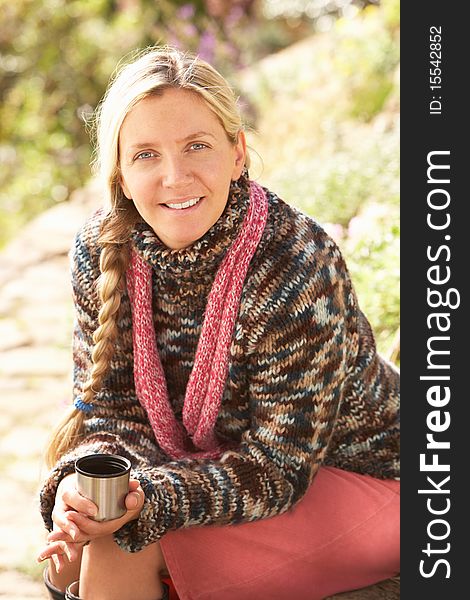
186 204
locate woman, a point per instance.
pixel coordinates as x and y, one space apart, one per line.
220 347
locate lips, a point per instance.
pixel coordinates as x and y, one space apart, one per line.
184 204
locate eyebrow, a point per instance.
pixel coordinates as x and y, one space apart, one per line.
191 136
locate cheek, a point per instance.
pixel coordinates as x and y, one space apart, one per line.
220 175
125 182
135 186
125 189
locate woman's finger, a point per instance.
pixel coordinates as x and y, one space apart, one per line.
94 529
63 522
135 499
58 550
134 484
68 497
58 562
79 503
58 534
43 555
88 526
51 550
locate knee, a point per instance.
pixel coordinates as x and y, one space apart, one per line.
379 545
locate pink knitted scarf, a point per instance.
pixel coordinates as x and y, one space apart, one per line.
207 380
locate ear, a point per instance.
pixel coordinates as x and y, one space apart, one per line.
240 156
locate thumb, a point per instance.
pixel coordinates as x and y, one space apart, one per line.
134 500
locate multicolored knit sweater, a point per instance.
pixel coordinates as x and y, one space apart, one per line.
305 385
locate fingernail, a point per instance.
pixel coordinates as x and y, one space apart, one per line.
73 533
134 501
92 512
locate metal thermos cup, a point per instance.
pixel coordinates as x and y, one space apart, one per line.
104 479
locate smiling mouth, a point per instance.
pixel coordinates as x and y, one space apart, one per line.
186 204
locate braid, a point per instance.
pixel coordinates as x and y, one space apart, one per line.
113 264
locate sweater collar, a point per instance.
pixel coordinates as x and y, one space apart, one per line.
207 251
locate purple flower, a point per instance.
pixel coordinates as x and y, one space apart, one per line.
190 30
186 11
207 46
234 16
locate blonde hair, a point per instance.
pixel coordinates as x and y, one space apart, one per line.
150 73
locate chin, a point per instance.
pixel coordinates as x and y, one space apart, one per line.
184 241
180 243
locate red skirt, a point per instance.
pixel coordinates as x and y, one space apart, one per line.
344 534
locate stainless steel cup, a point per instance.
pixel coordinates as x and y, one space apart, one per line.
104 479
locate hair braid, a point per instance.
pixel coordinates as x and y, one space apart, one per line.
113 264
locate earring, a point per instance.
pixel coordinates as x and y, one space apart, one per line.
243 175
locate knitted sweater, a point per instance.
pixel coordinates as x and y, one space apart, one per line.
305 385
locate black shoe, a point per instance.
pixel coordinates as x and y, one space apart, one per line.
166 591
54 593
71 593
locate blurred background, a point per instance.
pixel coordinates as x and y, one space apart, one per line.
318 82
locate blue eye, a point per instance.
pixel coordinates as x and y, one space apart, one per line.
198 146
144 155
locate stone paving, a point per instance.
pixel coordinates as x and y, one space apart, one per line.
35 366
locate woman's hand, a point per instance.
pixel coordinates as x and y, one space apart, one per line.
72 513
73 525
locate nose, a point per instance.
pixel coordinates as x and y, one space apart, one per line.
175 172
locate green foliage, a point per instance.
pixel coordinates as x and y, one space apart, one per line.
50 76
334 185
366 58
372 250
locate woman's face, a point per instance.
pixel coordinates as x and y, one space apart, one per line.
176 165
